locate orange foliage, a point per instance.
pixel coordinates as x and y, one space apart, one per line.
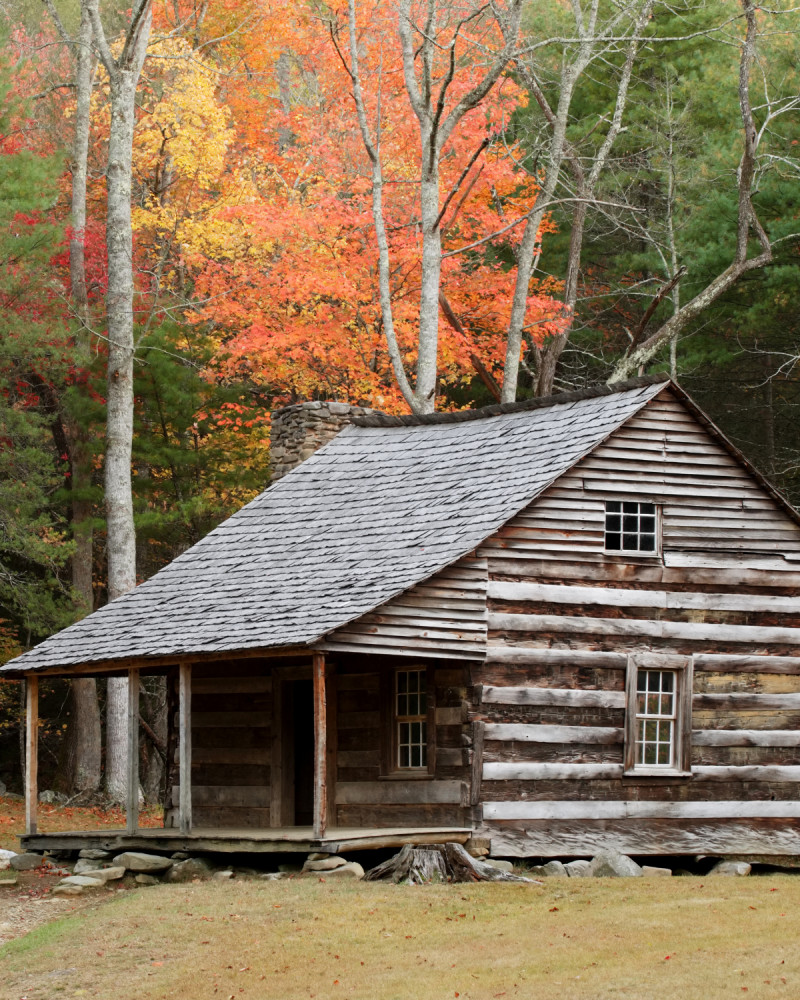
276 236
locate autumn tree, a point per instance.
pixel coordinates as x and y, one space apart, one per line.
35 596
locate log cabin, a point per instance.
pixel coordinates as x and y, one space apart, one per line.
545 628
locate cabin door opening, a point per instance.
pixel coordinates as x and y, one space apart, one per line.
303 739
292 772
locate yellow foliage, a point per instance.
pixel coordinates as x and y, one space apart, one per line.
180 145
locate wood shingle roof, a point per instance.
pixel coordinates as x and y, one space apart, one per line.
371 514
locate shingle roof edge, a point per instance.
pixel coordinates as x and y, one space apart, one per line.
377 419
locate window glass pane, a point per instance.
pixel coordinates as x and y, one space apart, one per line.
410 709
656 717
635 530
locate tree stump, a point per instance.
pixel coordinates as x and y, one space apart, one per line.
437 863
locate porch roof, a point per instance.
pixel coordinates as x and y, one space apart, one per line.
374 512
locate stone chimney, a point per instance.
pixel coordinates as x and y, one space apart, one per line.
299 430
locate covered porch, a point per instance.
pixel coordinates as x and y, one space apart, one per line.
271 814
278 753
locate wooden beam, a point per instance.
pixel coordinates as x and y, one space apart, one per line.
738 701
538 655
320 748
476 770
636 809
726 663
698 631
185 746
31 752
535 771
156 664
526 733
132 801
552 696
746 738
332 738
613 597
557 838
400 792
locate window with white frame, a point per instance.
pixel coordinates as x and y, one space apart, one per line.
658 714
631 526
411 719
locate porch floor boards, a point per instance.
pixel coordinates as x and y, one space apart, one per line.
286 840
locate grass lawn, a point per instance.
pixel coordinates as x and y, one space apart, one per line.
57 819
581 939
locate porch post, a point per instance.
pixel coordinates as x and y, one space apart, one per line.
132 810
320 749
31 751
185 746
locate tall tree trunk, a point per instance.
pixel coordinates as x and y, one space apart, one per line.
80 762
84 69
119 403
85 772
431 272
121 539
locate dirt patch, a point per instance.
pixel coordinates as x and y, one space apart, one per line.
31 903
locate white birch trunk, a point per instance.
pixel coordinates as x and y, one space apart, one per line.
429 290
121 539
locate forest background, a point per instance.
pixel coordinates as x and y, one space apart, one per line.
404 205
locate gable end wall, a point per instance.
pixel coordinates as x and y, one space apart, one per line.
564 616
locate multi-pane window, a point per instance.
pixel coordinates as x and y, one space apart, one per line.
656 718
411 717
630 526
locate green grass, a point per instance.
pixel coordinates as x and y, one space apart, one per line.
580 939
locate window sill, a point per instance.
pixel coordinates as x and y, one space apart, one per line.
407 776
616 556
656 772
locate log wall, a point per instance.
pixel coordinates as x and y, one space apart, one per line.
564 615
367 793
231 744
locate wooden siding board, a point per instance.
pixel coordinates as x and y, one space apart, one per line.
444 616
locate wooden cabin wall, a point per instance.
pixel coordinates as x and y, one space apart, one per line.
231 742
564 615
445 615
364 795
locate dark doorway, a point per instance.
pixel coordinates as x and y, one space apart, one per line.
303 747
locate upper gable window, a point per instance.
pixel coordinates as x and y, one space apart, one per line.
631 526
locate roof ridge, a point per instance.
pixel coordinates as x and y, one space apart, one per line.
378 419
